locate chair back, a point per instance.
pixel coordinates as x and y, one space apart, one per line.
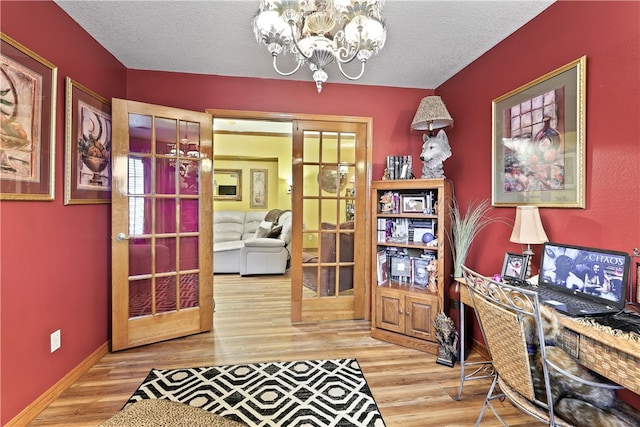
509 318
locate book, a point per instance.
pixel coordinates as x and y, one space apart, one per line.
382 267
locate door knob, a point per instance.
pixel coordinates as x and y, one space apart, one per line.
121 237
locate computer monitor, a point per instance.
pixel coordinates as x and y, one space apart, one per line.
598 274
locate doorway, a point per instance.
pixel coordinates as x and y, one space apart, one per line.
340 149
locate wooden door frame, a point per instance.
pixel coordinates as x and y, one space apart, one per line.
290 117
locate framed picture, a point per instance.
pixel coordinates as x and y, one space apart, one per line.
539 141
400 268
515 266
258 191
419 272
28 119
87 177
413 204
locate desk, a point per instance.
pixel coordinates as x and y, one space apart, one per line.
615 358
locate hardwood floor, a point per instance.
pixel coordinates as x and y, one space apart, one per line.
251 324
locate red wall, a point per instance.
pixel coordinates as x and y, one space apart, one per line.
56 270
392 109
55 266
608 33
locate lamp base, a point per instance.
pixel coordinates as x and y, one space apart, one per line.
529 254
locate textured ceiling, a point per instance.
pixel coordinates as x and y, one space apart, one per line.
427 41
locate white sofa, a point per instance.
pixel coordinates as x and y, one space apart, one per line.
237 249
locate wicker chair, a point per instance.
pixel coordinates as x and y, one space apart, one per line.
504 312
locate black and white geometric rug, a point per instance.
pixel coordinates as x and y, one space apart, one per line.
307 393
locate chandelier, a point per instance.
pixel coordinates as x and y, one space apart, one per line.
320 32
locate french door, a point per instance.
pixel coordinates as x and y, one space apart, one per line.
329 222
162 276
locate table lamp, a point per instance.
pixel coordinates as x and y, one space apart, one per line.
528 230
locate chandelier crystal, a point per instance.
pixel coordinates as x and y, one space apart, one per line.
320 32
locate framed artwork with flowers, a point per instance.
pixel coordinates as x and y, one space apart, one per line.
88 146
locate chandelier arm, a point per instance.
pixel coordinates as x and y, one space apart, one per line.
275 67
348 76
295 43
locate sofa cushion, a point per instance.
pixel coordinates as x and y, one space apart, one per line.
263 229
252 221
263 242
228 246
285 220
228 225
275 232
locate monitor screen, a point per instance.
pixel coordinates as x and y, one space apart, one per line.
598 273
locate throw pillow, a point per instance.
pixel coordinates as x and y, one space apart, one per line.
275 232
264 229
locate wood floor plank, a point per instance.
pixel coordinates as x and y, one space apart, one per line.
251 324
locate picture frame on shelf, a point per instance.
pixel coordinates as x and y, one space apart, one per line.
514 266
258 192
88 131
419 272
27 135
538 154
400 267
413 204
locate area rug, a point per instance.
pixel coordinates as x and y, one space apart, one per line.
308 393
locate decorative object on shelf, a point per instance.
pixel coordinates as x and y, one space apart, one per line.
87 177
28 121
427 237
528 230
465 228
386 202
432 115
539 141
435 150
432 268
321 32
447 336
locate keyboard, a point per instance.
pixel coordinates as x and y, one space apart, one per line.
626 322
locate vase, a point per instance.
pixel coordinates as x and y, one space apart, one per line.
454 306
547 138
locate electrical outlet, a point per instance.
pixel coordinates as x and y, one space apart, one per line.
310 237
55 341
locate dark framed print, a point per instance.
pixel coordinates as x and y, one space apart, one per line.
539 141
87 177
514 266
413 204
27 114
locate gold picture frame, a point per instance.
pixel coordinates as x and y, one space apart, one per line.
538 155
28 114
258 192
87 178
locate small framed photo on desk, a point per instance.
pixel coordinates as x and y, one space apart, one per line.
514 266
